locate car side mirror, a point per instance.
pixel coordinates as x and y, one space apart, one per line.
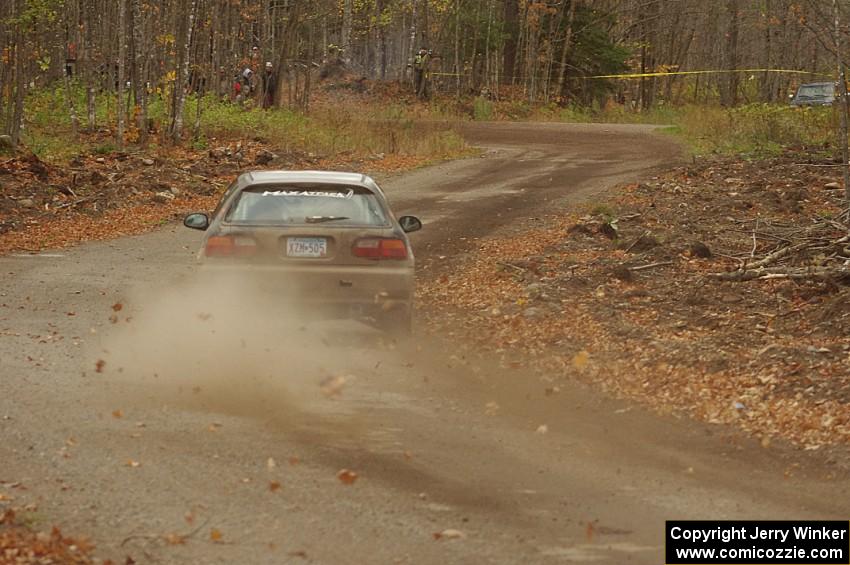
197 221
410 224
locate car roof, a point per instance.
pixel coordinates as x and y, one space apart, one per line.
330 177
817 84
253 178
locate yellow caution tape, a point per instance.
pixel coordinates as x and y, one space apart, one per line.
676 73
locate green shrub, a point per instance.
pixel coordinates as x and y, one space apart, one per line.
104 148
355 129
753 129
482 109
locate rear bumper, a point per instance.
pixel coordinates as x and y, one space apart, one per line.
334 291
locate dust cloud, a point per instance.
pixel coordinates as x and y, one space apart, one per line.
224 346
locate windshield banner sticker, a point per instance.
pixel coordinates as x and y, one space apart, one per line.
348 194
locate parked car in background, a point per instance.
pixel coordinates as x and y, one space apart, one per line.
326 242
814 94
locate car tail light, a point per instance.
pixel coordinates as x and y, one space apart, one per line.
375 248
230 246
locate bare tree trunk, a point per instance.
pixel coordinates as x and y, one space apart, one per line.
21 81
842 90
196 130
122 54
475 64
425 30
458 64
487 62
183 79
568 38
381 40
511 19
91 114
346 31
139 76
729 94
411 49
554 27
72 109
767 94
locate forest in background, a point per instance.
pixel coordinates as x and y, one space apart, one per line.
162 52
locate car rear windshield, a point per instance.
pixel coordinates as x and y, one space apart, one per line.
816 91
299 204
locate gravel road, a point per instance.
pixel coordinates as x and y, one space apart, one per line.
214 428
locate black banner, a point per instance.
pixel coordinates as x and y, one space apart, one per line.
752 542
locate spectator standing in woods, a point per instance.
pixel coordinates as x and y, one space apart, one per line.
420 72
71 60
237 89
247 81
269 85
255 58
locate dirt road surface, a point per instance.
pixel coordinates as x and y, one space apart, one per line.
196 426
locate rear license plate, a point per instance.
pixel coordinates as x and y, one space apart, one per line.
306 247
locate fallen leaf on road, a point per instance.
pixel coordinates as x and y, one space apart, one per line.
214 427
294 461
491 408
346 477
98 367
580 360
117 307
132 463
274 486
332 386
175 539
7 517
542 429
215 535
271 463
117 414
449 534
